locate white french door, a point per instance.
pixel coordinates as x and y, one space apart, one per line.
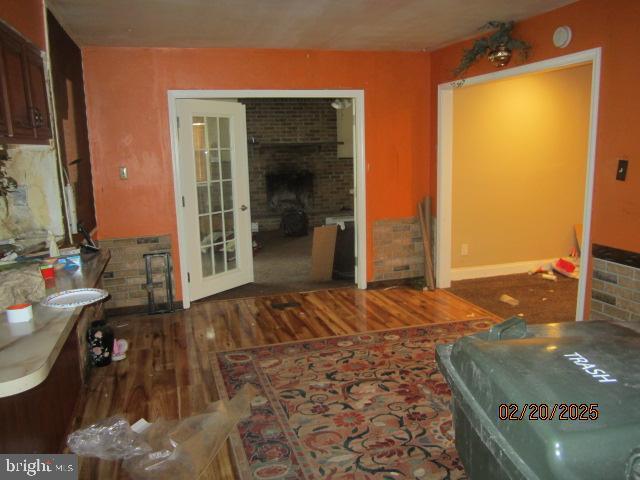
214 183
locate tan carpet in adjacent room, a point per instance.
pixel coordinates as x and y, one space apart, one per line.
541 301
281 265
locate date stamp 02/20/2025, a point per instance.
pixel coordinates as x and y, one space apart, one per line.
560 411
545 411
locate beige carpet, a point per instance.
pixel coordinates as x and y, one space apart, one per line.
282 265
541 301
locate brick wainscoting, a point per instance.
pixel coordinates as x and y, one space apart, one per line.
615 285
397 247
125 276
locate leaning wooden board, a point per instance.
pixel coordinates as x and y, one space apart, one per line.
424 212
578 229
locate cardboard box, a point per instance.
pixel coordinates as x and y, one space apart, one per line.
322 252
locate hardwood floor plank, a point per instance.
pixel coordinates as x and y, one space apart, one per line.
327 312
321 323
169 372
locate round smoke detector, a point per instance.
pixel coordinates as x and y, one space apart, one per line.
562 36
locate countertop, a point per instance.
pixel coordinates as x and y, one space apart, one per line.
29 350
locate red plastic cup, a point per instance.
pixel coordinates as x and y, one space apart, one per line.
47 272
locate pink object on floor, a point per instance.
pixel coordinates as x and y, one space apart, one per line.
120 347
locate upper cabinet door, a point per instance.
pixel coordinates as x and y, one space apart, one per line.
17 86
5 117
24 105
38 91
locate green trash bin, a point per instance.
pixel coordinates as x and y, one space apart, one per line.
551 401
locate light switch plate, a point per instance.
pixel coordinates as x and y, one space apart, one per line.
621 172
124 174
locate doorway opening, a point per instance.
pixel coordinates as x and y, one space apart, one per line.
304 158
515 180
301 179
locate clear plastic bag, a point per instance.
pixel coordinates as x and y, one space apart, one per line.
109 439
179 449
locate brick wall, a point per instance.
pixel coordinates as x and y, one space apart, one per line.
615 290
398 250
294 120
125 276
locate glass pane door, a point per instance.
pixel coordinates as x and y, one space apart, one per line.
213 157
214 216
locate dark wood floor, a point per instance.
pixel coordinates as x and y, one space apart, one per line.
168 371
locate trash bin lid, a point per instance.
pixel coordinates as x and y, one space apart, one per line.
565 396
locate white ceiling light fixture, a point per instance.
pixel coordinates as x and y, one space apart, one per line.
562 36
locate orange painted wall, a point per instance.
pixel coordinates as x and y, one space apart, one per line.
126 91
614 26
27 17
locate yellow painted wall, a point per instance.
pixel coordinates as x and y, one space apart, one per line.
519 166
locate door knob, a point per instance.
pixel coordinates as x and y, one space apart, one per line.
243 208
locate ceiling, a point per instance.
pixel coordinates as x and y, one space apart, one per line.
306 24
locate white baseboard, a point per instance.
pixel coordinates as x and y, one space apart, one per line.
482 271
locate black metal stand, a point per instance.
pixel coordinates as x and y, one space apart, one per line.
152 306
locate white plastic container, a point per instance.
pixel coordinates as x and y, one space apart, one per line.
19 313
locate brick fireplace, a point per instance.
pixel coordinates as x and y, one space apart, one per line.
296 137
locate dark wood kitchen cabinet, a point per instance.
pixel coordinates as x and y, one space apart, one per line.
24 107
38 92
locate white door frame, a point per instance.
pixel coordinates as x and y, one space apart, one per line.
445 159
357 96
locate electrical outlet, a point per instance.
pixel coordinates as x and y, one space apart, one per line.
464 249
254 227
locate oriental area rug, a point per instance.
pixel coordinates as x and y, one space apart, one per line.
363 406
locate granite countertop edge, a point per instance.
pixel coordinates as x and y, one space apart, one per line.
12 380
